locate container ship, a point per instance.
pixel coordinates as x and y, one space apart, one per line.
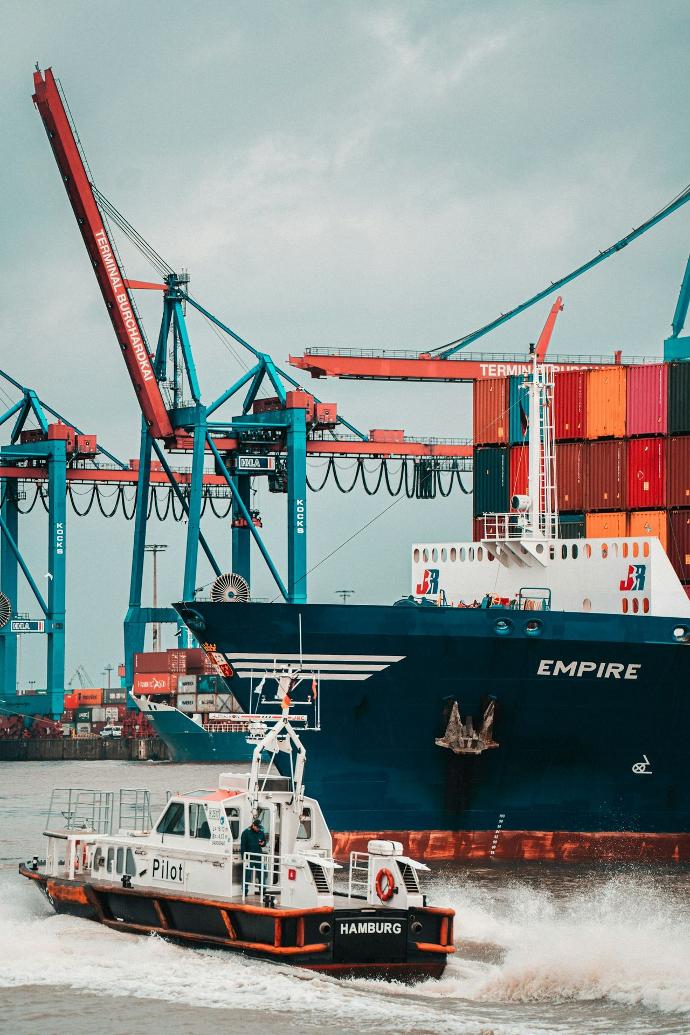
529 698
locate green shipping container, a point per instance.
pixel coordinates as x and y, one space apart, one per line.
572 526
679 398
491 480
82 715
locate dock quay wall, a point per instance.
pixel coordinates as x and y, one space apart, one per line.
82 749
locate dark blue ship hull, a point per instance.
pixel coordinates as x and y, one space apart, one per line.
572 745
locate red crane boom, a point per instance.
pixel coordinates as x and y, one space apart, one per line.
110 278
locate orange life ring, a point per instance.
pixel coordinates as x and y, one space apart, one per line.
385 892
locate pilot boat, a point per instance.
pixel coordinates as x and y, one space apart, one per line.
184 877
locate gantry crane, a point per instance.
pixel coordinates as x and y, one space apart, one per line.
442 363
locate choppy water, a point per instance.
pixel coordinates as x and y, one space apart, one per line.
539 950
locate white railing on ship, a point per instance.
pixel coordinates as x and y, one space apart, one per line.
359 874
226 727
497 527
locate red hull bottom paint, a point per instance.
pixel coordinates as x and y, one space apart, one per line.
525 845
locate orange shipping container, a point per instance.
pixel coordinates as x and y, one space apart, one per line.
606 403
87 698
490 411
650 522
602 526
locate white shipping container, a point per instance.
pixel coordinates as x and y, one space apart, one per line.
186 685
66 729
83 729
111 714
98 715
206 702
186 702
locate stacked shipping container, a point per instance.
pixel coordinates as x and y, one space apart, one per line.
622 452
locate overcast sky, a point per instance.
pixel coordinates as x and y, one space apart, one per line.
365 174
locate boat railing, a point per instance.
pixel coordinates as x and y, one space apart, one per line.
263 866
134 810
358 878
75 809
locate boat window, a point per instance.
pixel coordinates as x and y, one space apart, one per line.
625 605
645 549
304 832
453 554
444 554
635 605
198 823
434 554
574 552
98 859
425 554
645 605
586 604
130 865
480 553
111 859
120 865
564 551
462 553
470 553
233 816
416 555
636 549
625 549
172 820
604 550
588 550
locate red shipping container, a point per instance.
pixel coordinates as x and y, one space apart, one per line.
519 463
605 475
155 683
679 543
647 392
687 589
570 475
195 660
490 411
177 661
151 661
570 404
266 405
646 473
678 471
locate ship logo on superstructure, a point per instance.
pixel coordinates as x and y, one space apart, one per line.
635 579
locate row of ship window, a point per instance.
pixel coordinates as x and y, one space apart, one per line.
570 549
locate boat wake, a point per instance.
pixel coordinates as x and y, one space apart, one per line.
610 954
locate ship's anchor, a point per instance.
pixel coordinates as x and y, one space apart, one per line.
462 738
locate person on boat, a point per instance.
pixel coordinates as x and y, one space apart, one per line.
253 841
